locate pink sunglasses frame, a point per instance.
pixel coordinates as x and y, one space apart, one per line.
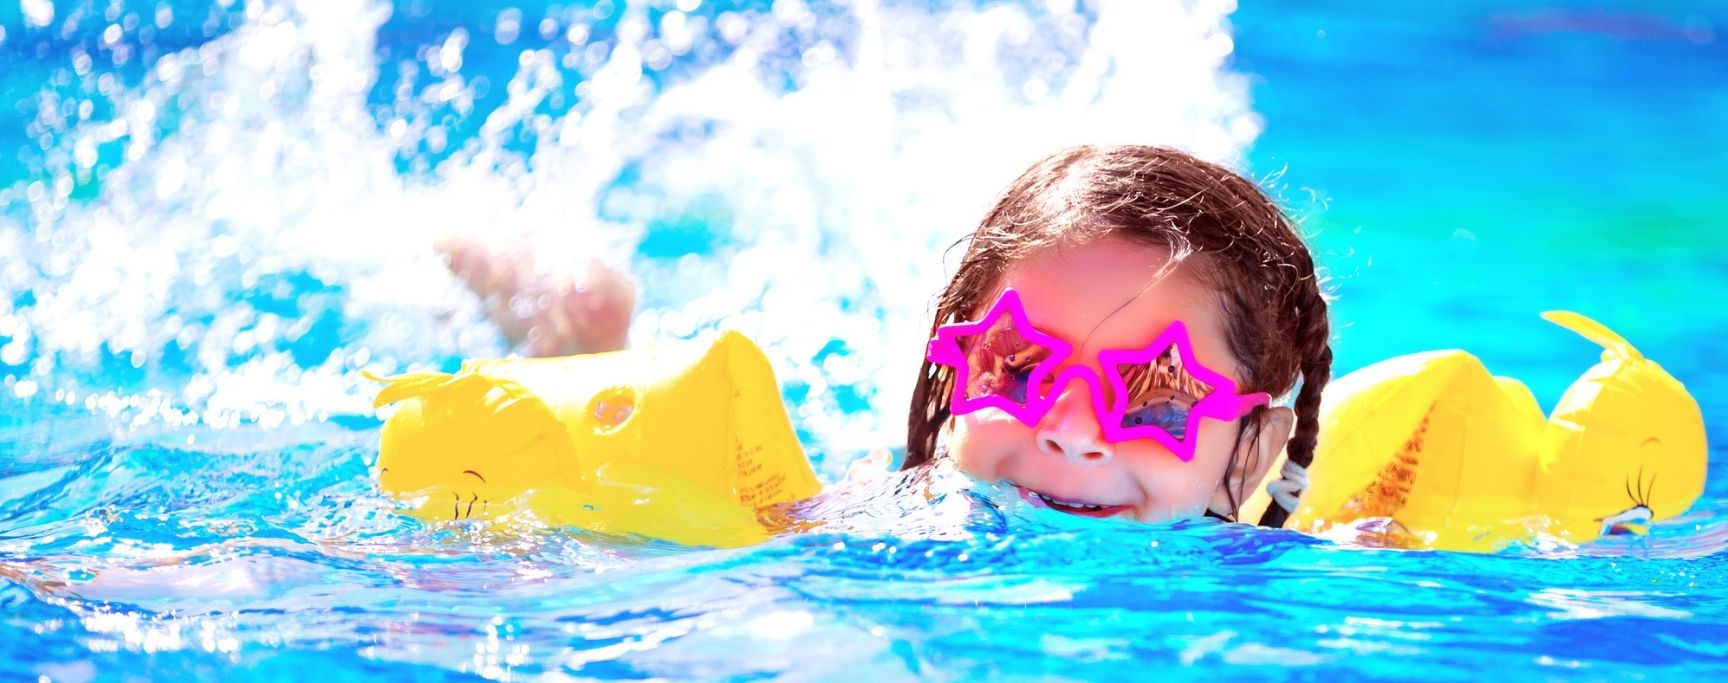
1223 403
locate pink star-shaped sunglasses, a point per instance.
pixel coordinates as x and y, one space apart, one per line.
1159 391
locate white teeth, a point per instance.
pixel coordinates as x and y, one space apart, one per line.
1067 504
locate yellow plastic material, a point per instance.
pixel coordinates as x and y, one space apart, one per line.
1451 457
684 442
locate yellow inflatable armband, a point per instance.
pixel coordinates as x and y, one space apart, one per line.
684 442
1452 457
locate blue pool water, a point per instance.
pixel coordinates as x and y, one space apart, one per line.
213 215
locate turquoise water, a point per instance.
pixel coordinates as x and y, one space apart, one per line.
211 217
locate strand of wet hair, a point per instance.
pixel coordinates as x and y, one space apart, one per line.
935 383
928 413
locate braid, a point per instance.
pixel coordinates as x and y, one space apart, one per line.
1316 345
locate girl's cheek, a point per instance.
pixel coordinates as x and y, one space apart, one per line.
979 444
963 444
1177 489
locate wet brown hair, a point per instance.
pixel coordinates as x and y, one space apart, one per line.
1234 237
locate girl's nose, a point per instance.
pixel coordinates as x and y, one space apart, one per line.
1070 430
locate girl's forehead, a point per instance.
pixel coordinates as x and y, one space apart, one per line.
1117 294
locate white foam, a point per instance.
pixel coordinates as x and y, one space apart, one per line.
845 169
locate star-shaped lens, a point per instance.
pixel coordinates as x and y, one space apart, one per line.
981 355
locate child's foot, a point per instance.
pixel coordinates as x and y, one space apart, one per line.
547 314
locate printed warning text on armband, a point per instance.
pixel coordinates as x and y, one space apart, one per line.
765 492
754 484
747 460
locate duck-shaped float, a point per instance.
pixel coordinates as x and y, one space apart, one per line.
1444 455
684 442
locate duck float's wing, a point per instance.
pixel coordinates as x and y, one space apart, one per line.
709 413
1625 435
1429 443
1366 419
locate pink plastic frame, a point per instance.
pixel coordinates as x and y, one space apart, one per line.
1223 403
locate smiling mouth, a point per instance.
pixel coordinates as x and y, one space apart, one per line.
1073 507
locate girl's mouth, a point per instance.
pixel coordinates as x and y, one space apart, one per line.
1073 507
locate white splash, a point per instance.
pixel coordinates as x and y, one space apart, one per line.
839 149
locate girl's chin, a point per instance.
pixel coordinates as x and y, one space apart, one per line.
1072 507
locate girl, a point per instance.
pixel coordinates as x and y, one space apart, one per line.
1108 345
1193 287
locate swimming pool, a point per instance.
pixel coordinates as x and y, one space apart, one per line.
217 214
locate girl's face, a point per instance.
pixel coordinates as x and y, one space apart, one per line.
1103 295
